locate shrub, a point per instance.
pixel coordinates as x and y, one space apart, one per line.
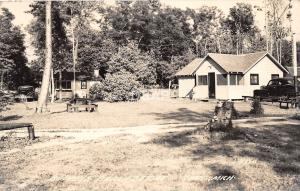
5 100
256 107
97 91
121 86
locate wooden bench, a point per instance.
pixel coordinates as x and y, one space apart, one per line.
76 107
10 126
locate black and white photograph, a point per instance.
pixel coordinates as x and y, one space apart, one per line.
149 95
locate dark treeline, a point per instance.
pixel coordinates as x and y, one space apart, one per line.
13 68
142 38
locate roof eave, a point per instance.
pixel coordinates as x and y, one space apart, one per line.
272 58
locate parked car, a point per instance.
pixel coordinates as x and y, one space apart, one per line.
277 88
26 93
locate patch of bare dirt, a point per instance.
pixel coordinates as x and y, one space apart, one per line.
11 141
262 155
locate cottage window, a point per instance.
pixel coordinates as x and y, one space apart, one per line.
222 79
254 79
83 85
240 79
202 80
233 79
274 76
236 79
65 85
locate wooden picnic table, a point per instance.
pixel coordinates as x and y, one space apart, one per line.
292 101
78 103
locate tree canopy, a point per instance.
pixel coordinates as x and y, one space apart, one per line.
12 52
145 38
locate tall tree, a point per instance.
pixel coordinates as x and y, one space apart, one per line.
206 26
130 59
95 50
276 15
42 102
241 24
12 52
79 15
60 42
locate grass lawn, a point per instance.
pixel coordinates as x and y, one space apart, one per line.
149 145
126 114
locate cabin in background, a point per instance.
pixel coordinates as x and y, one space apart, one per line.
227 76
83 83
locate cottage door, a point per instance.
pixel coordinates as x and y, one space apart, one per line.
211 85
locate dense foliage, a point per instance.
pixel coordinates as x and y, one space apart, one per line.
256 107
120 86
13 61
60 44
145 39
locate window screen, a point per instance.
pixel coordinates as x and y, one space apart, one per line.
240 79
202 80
65 85
221 79
232 79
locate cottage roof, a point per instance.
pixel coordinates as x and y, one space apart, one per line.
230 63
190 68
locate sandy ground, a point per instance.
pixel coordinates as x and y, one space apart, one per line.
164 150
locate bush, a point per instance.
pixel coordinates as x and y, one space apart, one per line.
96 91
121 86
5 100
257 108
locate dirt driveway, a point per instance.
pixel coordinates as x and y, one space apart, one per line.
261 154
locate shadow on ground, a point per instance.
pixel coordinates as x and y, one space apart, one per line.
278 145
10 118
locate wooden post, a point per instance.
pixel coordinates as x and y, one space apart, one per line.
31 132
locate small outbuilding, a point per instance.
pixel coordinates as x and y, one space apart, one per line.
83 83
227 76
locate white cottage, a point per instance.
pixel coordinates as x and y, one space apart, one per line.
227 76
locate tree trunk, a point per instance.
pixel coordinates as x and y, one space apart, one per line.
237 43
271 44
60 85
52 87
277 50
219 45
42 102
2 76
280 51
197 49
205 47
75 54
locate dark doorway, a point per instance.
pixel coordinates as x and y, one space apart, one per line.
211 85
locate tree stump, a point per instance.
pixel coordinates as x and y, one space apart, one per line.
222 119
